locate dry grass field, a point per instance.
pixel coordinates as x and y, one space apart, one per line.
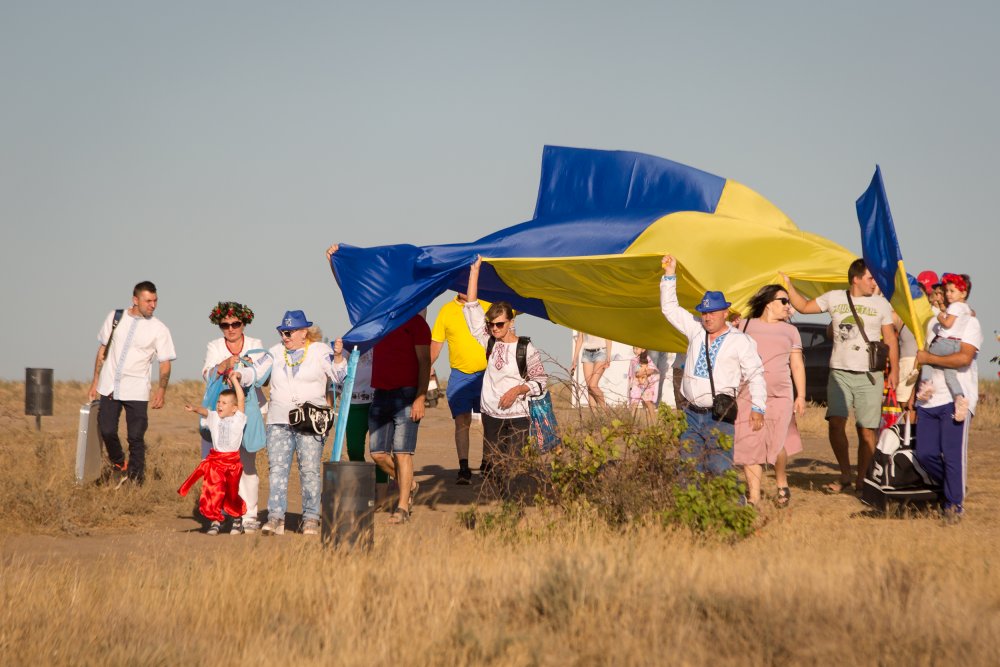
97 576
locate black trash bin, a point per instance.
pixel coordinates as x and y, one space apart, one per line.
347 506
38 393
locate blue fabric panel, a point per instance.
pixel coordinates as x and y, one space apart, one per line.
879 244
590 202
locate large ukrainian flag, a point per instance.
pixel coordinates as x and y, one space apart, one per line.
589 259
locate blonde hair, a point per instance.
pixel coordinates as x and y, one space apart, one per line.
314 334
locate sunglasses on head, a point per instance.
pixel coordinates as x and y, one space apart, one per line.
498 324
784 300
230 325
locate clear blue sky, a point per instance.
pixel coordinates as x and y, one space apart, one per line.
217 148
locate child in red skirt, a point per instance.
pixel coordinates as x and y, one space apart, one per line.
221 468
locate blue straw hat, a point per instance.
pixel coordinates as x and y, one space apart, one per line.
294 319
711 302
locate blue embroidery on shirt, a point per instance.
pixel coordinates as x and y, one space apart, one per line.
701 366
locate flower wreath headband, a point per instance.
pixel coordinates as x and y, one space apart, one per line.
231 309
956 280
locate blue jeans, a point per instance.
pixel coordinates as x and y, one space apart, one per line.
942 347
282 442
704 444
390 429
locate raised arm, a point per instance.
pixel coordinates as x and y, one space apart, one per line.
472 294
241 399
799 302
681 319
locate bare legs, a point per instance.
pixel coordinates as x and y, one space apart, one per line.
592 373
866 449
462 426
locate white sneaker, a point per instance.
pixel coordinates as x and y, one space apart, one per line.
213 528
250 525
237 528
273 527
310 527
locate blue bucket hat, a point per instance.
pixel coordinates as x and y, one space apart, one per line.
294 319
711 302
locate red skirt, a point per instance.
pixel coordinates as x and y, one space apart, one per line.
221 488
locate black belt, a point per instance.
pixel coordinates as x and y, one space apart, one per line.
698 410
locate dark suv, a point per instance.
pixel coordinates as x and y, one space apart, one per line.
816 348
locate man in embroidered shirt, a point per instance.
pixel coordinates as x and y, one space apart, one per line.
468 363
851 385
121 377
734 361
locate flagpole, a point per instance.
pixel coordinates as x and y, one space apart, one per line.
918 331
340 430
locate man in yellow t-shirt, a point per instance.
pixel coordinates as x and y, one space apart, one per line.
467 359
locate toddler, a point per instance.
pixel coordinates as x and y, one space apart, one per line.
643 379
948 340
221 468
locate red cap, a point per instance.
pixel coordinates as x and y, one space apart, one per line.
928 279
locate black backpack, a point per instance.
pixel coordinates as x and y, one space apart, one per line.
521 354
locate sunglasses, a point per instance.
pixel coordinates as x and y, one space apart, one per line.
288 334
230 325
784 300
499 325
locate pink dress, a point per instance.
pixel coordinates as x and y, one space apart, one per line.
775 343
645 389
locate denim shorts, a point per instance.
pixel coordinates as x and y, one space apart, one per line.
390 429
594 356
464 390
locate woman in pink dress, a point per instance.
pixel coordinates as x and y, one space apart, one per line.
780 348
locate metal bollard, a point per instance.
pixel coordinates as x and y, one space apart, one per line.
347 506
38 393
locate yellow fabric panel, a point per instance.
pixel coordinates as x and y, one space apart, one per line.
617 296
915 313
739 201
464 352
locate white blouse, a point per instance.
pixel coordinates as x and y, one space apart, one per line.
293 385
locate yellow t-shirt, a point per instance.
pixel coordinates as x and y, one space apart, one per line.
464 352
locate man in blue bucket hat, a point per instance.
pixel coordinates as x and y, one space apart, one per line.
719 360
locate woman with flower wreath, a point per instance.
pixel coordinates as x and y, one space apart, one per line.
222 354
300 368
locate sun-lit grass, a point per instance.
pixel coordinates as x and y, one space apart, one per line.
816 584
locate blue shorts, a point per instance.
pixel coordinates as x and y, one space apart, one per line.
589 356
390 429
464 390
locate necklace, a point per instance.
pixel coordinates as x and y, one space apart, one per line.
237 350
293 364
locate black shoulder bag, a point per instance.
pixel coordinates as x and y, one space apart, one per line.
114 325
878 352
723 405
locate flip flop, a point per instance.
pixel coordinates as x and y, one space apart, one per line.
834 488
784 497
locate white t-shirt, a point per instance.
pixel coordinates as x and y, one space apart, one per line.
227 433
850 351
136 344
962 313
592 342
968 377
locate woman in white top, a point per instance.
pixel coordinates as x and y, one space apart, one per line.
503 400
596 358
222 353
300 370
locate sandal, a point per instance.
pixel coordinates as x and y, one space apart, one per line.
784 497
833 488
399 517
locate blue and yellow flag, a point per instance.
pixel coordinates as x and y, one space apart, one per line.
880 248
589 259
